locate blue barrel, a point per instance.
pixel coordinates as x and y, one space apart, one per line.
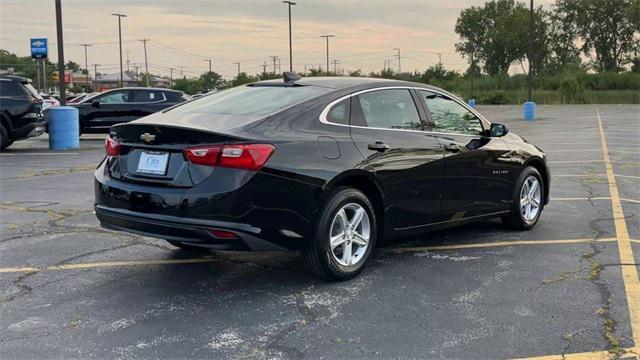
472 103
64 126
529 111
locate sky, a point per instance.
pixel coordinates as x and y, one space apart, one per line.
183 33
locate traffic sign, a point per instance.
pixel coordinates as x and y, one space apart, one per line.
39 48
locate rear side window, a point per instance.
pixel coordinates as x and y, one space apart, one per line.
251 100
173 96
339 113
148 96
11 88
116 97
388 109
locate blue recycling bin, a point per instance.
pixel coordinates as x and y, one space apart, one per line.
64 128
529 111
472 103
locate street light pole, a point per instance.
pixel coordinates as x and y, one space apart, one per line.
95 79
399 65
86 63
531 34
61 83
237 63
146 64
209 60
289 3
120 16
327 37
171 77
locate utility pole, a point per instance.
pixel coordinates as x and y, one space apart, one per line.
209 60
86 63
327 37
335 66
237 63
181 72
171 77
146 64
60 44
127 60
274 58
135 67
38 78
399 65
120 16
473 71
264 70
439 59
530 55
289 3
95 77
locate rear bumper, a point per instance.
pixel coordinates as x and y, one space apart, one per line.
28 130
190 231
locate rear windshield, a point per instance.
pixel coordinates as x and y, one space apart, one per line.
251 100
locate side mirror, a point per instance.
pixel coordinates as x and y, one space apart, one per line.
498 130
95 103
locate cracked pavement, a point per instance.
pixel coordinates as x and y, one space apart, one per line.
476 303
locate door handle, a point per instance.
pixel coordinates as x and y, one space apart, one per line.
378 146
453 147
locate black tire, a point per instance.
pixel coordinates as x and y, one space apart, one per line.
318 257
189 248
515 220
5 141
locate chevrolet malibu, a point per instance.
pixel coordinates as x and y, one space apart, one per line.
327 166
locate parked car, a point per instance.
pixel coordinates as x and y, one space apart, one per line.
20 110
328 166
48 101
123 105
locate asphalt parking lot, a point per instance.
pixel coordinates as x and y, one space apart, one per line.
569 287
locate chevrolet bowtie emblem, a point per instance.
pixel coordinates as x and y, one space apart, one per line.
146 137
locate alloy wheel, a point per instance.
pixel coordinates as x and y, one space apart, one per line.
350 234
530 196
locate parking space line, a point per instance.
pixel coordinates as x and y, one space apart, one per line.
627 176
625 251
400 250
635 241
42 153
577 175
81 266
593 355
573 161
582 198
630 200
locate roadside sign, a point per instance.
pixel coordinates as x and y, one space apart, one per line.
39 48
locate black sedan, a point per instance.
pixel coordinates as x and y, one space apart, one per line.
122 105
328 166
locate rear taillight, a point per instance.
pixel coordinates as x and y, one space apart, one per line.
241 156
111 146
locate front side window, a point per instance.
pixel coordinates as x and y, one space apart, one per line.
389 109
251 100
116 97
449 116
10 88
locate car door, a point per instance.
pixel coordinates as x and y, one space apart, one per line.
476 177
387 128
108 109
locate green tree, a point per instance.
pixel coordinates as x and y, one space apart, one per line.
608 29
212 80
563 32
70 65
496 33
243 78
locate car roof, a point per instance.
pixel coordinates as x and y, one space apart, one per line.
19 79
144 88
346 82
